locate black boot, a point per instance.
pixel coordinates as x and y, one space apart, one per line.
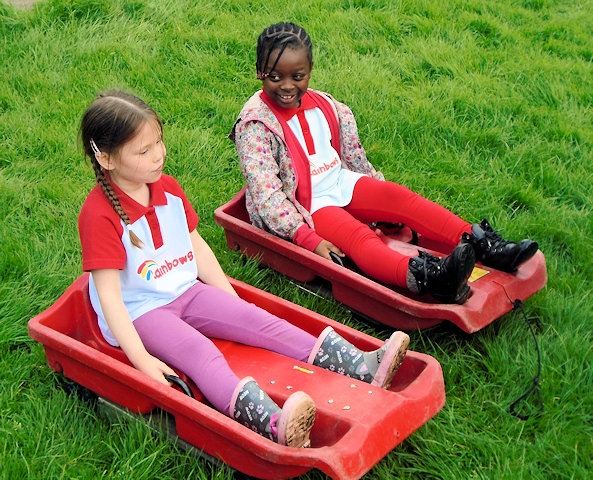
494 251
444 278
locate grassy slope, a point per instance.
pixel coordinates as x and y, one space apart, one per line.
484 107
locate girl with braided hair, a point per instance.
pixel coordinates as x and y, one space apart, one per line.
160 293
309 181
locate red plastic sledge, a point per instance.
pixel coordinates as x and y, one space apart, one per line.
493 291
356 424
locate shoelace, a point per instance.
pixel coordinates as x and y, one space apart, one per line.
493 239
429 261
429 257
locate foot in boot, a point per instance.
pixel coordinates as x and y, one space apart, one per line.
289 426
444 278
494 251
335 353
296 421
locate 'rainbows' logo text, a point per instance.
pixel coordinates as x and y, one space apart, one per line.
149 269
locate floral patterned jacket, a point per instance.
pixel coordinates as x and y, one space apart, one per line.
270 174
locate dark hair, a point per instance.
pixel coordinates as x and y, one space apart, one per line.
278 37
113 119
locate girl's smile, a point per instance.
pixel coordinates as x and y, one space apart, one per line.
288 80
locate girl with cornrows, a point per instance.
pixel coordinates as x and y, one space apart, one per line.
160 293
309 181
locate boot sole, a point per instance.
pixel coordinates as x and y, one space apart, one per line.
392 359
466 260
524 255
296 421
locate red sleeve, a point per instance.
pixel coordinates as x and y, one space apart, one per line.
306 237
100 231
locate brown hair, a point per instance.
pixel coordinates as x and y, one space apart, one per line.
108 124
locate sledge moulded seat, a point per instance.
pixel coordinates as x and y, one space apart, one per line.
348 438
492 296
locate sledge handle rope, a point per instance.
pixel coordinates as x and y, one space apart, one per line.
534 388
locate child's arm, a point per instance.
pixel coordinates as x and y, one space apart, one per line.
119 322
262 162
209 270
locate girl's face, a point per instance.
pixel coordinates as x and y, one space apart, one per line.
140 160
289 80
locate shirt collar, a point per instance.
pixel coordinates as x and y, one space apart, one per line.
135 210
307 103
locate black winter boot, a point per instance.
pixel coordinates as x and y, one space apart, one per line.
494 251
444 278
289 426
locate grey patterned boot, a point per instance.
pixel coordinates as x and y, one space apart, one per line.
378 367
289 425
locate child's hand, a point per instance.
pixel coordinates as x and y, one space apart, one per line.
325 247
155 368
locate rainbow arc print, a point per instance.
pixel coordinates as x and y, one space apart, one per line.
145 270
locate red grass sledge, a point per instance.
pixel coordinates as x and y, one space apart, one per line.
493 291
356 425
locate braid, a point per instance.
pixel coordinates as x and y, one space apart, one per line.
112 197
278 37
109 123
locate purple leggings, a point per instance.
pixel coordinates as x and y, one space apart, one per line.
178 333
377 201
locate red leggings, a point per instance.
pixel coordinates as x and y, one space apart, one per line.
377 201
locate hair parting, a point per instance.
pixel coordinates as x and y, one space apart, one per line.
278 37
111 121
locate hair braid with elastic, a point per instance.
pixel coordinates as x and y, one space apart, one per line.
278 37
112 197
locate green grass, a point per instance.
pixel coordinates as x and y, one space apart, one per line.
483 106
